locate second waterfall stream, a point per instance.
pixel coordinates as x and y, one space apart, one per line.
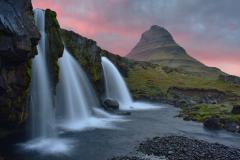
77 104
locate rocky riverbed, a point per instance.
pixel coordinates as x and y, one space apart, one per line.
182 148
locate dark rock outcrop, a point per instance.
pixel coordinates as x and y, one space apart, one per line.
236 109
18 38
110 104
192 96
54 46
18 34
231 126
213 123
127 158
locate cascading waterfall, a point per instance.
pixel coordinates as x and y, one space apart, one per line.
75 100
115 85
44 136
74 94
78 107
116 88
41 98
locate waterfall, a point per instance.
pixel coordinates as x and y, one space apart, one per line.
44 136
115 85
77 105
116 88
74 92
41 97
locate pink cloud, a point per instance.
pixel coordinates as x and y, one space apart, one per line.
92 22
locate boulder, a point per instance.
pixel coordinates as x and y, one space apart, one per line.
212 123
232 126
110 104
121 113
236 109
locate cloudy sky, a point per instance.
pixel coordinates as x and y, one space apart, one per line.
208 29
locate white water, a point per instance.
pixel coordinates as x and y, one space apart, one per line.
75 94
116 88
41 98
77 104
44 137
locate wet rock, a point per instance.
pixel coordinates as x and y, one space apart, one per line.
212 123
232 126
54 46
18 34
87 53
18 39
126 158
183 97
111 104
121 113
236 109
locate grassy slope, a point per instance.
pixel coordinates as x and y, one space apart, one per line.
155 81
202 112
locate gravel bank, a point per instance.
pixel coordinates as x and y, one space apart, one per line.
183 148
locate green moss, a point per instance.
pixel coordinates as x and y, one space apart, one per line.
54 46
201 112
29 68
81 49
152 80
53 17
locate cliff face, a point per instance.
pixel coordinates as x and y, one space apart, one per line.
88 54
54 46
18 38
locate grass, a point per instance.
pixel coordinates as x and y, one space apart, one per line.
201 112
154 81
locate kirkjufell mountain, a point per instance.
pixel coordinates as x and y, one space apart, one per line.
157 45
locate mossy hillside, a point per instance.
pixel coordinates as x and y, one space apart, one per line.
151 81
54 46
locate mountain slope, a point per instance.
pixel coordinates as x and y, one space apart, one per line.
158 46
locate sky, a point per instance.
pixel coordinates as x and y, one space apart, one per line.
209 30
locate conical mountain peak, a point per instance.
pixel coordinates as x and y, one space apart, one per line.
158 45
157 34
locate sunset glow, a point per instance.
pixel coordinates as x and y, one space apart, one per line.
117 25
